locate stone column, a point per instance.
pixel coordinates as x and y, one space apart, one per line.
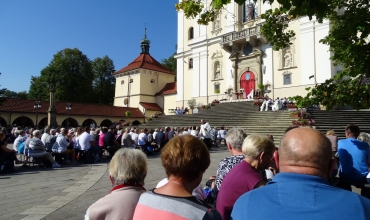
52 111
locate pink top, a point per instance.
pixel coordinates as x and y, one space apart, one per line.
101 140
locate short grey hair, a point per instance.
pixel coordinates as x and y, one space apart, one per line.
255 144
62 130
235 137
36 132
52 131
128 166
364 137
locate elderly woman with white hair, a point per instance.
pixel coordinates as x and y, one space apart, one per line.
37 149
245 176
127 171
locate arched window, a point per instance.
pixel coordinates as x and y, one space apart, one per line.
191 33
250 10
191 63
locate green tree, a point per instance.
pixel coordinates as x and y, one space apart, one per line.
12 94
170 63
70 72
104 81
39 88
2 98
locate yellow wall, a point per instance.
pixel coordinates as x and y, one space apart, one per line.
169 103
146 84
11 117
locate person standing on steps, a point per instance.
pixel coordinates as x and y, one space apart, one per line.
205 130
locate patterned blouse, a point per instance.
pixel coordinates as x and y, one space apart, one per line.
224 167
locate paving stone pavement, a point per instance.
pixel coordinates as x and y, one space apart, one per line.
67 192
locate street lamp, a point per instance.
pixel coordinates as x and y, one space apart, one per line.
68 108
37 106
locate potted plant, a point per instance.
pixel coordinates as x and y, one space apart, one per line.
217 91
192 103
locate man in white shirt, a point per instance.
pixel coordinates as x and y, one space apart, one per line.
205 130
45 134
154 133
85 140
135 136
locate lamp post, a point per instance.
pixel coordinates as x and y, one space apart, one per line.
68 108
37 106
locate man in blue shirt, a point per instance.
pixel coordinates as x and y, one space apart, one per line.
354 156
301 190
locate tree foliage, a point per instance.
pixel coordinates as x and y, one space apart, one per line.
75 79
39 88
170 63
348 39
12 94
2 98
104 81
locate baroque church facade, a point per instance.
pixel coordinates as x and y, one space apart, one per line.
229 58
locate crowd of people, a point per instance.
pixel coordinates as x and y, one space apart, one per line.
299 185
274 105
90 143
259 180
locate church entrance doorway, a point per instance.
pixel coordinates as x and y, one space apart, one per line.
247 82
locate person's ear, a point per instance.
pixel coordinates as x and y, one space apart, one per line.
229 147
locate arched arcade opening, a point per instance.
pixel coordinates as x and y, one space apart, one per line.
3 122
106 123
89 123
70 123
24 121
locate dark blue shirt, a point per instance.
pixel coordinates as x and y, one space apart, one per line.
353 157
303 197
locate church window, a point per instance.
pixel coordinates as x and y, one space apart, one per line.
122 82
191 63
250 10
217 88
191 33
287 79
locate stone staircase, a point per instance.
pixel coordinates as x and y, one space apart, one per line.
338 120
247 117
237 114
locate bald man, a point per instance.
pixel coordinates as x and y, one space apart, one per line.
300 190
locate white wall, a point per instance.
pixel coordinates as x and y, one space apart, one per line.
307 51
180 79
195 72
267 68
323 62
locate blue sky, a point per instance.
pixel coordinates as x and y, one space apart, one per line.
32 31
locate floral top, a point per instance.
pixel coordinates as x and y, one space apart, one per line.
224 167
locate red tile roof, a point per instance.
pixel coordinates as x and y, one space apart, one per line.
26 105
145 61
169 88
151 106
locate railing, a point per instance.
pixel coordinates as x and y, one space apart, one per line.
241 34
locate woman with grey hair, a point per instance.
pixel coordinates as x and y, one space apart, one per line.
234 141
127 171
364 137
37 149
